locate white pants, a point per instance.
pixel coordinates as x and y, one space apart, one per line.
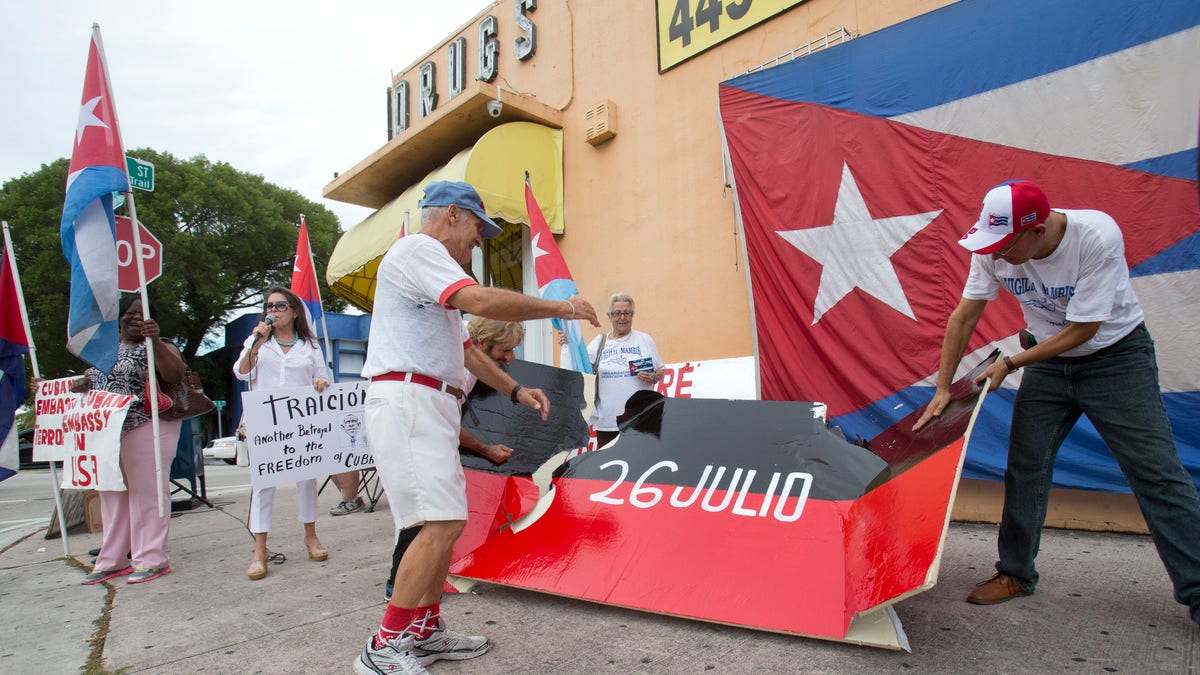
262 500
413 432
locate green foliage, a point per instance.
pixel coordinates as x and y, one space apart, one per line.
227 235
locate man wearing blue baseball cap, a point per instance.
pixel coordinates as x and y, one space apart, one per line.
417 362
1091 355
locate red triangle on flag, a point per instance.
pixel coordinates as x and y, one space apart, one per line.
97 134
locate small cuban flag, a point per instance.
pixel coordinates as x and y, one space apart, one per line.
554 279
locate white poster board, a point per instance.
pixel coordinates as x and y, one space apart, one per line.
717 378
51 399
83 431
294 433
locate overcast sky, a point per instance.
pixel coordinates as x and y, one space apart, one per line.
293 91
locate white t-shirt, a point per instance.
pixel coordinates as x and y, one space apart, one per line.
301 366
615 380
412 328
1085 279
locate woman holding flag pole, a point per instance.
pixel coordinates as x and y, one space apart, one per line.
134 520
96 323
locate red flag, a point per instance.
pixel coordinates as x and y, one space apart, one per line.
554 280
87 229
14 344
304 275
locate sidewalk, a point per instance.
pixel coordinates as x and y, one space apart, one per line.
1104 606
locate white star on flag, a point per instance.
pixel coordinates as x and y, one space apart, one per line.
537 251
855 250
87 118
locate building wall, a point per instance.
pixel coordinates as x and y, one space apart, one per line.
648 212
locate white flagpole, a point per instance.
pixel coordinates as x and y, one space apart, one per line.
151 373
37 374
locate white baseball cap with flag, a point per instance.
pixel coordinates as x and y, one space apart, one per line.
1008 209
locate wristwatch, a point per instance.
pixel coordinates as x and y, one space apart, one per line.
1012 367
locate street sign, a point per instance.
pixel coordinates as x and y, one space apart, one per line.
141 173
219 404
127 276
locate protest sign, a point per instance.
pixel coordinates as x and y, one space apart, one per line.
718 378
51 400
295 433
83 431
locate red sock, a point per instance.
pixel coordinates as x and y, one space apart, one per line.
419 622
395 621
425 621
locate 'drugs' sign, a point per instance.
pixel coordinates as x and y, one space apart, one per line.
83 431
295 433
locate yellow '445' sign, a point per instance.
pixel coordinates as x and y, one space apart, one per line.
688 27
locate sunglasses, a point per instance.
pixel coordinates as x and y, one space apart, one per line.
1008 249
276 306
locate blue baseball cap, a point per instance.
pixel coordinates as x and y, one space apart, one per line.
462 195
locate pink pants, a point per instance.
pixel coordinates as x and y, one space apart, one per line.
131 520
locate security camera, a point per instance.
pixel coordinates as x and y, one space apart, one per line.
495 108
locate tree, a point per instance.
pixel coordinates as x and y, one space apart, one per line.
227 235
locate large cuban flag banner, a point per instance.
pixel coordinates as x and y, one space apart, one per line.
858 168
88 230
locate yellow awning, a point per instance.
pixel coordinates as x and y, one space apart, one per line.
495 165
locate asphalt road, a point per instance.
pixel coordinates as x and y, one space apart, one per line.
27 499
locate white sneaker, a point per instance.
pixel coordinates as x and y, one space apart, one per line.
450 645
393 658
345 508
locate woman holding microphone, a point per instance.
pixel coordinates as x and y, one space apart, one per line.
282 351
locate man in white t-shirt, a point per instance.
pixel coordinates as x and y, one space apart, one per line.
1092 356
418 356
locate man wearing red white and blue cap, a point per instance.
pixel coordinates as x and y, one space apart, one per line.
418 360
1091 355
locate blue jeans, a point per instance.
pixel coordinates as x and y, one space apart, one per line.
1117 388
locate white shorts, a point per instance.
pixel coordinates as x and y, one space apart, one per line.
413 433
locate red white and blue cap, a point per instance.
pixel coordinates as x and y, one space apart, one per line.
1008 209
462 195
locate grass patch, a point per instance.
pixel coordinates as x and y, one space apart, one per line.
95 662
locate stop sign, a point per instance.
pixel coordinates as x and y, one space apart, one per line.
127 275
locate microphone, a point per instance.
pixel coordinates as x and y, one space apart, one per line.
267 320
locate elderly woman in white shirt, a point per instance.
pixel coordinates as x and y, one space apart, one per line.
283 352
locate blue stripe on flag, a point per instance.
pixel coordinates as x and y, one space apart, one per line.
1184 255
561 289
89 245
887 57
1180 164
988 452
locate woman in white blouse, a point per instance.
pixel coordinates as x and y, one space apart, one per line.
282 352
